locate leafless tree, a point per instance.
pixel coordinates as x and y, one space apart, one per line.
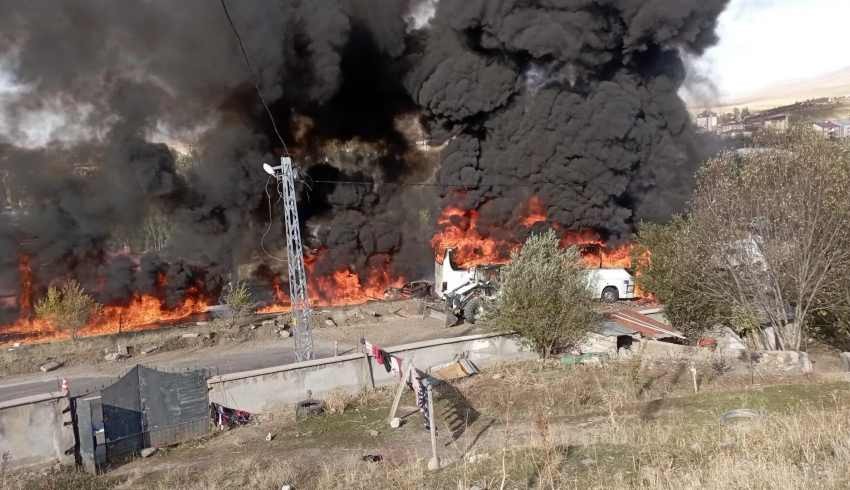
767 240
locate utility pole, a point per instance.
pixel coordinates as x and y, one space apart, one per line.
285 177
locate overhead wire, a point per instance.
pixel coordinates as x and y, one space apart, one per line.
255 79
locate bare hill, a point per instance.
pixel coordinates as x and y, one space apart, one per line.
835 84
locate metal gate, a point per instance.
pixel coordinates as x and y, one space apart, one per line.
150 408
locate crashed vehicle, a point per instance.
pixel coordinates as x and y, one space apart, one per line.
467 292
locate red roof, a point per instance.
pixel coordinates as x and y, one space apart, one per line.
644 325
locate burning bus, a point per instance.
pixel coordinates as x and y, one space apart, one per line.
466 291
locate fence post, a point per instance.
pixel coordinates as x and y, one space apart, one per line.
434 464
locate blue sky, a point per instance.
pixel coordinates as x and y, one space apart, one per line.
764 42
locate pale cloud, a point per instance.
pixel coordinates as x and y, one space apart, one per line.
764 42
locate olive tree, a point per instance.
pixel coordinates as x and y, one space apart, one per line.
68 307
544 295
766 242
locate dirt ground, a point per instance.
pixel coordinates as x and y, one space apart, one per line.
479 417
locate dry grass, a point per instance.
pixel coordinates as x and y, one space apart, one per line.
261 473
619 426
338 401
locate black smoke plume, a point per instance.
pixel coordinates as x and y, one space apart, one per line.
574 101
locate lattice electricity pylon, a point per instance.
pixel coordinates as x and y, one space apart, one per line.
295 253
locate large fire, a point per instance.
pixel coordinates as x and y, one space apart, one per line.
142 311
458 231
343 287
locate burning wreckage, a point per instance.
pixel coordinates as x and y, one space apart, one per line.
419 126
467 292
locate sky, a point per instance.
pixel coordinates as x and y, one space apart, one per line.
765 42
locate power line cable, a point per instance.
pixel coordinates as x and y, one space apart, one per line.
255 79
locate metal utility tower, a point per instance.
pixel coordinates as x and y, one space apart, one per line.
285 176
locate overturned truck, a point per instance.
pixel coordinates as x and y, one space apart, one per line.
468 292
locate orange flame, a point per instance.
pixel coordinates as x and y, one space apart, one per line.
342 288
143 311
458 230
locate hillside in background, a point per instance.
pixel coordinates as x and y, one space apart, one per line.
836 84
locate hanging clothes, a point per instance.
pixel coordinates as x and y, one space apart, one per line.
396 366
417 382
386 360
378 354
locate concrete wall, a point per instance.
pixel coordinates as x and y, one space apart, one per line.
278 387
32 431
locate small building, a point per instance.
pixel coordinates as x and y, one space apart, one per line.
827 129
842 129
778 123
732 129
707 121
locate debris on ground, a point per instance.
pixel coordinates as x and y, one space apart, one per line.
50 366
739 414
373 458
189 336
269 437
572 360
454 370
148 452
224 417
373 433
114 356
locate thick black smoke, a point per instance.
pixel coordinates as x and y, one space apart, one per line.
574 101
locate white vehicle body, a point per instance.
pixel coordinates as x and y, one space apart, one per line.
447 279
603 283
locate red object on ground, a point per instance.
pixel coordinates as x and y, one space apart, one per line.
707 342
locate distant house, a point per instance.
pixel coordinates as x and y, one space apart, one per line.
732 129
827 129
779 123
768 122
842 128
707 121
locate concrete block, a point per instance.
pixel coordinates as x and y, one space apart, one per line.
845 361
784 361
148 452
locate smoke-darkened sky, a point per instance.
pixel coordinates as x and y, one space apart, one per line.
573 101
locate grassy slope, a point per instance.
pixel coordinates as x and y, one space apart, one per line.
539 425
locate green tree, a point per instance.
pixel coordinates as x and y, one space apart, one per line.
240 300
68 307
544 296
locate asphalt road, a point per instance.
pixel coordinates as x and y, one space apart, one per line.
216 362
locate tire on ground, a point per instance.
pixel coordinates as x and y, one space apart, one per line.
309 408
